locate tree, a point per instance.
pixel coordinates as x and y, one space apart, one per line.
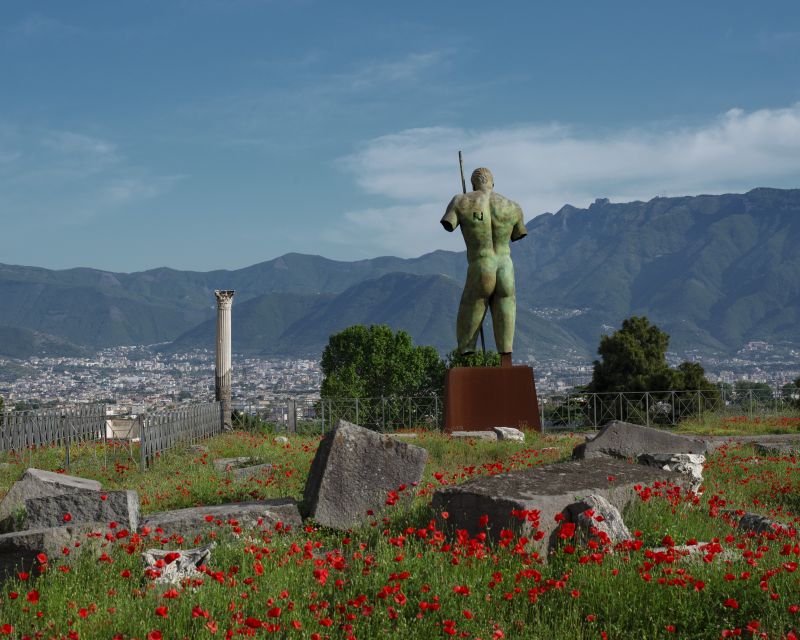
379 368
475 359
370 362
633 359
1 404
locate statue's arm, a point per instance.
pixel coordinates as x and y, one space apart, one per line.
450 218
519 231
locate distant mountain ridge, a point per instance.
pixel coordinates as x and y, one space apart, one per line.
713 271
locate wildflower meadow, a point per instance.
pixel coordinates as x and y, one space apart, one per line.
688 572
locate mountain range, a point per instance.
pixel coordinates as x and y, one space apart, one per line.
713 271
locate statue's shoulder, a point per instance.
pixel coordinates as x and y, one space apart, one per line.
499 200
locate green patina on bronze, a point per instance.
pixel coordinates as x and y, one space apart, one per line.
488 221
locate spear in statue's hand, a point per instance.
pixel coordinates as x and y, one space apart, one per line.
464 190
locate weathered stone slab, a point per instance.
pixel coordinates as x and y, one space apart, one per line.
105 507
778 448
509 433
165 566
548 489
353 472
196 521
596 518
625 440
37 483
475 435
759 524
280 440
18 550
242 468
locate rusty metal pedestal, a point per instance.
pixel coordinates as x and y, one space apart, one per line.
479 398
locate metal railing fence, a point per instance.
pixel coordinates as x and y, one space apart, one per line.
161 431
558 411
20 430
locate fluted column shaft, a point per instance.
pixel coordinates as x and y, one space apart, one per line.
222 369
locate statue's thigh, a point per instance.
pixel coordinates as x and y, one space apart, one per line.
505 281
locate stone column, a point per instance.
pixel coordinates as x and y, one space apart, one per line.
222 370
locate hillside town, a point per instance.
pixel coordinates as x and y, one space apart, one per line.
135 377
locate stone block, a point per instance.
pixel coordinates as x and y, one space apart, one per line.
597 519
197 521
509 433
18 550
546 490
104 507
353 472
37 483
757 523
490 436
242 468
625 440
778 449
280 440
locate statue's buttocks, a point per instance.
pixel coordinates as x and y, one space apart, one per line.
488 222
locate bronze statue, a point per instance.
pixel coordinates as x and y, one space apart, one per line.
488 221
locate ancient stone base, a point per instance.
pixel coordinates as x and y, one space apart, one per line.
241 468
198 521
480 398
549 490
37 483
353 472
490 436
19 550
105 507
625 440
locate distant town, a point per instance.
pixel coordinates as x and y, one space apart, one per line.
136 378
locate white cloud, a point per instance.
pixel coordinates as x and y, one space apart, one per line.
543 166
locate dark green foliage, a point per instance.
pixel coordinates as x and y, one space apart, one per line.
634 362
633 359
488 358
370 362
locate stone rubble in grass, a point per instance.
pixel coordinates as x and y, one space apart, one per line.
476 435
690 464
778 449
509 433
192 522
597 519
242 468
164 566
19 550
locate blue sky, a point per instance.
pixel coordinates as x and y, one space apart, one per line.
203 134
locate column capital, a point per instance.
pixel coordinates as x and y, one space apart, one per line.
224 298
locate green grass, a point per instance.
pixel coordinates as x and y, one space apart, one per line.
399 577
725 425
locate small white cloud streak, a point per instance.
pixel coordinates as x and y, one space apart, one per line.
545 166
66 177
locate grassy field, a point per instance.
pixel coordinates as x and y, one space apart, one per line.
724 425
398 576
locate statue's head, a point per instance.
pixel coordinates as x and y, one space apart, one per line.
482 179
